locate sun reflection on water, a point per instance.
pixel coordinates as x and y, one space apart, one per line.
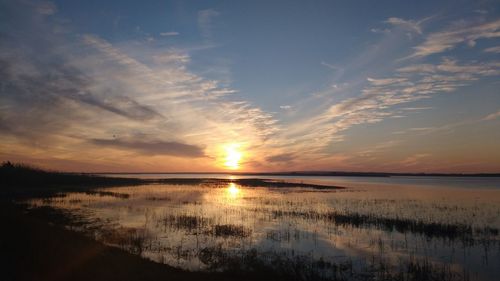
232 190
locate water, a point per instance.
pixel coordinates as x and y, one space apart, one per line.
375 227
423 181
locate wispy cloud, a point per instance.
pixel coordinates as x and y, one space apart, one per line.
317 135
410 25
45 8
493 49
376 103
492 116
284 158
205 22
84 90
386 81
380 30
169 33
415 159
417 108
439 42
331 66
153 147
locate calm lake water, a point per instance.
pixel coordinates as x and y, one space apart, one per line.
439 182
375 228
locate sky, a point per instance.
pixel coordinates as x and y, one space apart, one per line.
179 86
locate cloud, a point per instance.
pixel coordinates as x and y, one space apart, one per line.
385 82
331 66
285 157
285 107
417 108
154 147
46 8
414 159
172 56
421 128
448 65
86 88
405 24
492 116
418 68
170 33
205 22
493 49
378 148
439 42
123 106
377 101
378 30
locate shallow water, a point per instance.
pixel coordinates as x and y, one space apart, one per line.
420 181
369 228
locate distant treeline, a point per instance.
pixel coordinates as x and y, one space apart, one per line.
375 174
326 174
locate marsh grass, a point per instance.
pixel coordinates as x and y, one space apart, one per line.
186 222
158 198
108 193
463 232
231 230
131 239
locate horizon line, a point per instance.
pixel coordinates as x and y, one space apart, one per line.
312 173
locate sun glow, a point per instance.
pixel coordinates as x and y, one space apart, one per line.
232 156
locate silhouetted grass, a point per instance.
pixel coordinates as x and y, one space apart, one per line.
186 222
226 230
463 232
20 175
302 267
108 193
130 239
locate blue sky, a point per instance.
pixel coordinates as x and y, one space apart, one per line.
292 85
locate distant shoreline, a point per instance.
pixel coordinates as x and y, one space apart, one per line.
18 175
312 174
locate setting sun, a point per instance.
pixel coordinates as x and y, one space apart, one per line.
232 156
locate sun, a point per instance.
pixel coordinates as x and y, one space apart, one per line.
233 156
